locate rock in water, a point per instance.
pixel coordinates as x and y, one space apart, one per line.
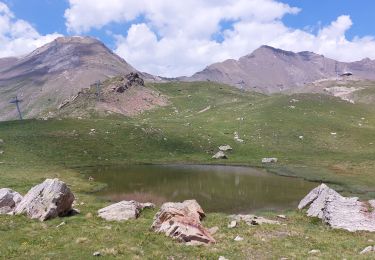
9 199
123 210
182 221
220 155
48 200
338 211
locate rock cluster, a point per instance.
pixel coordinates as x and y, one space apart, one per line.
48 200
338 211
123 210
182 221
128 81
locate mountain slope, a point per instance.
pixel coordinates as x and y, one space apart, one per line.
56 72
270 70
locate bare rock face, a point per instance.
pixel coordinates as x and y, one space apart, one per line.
253 220
182 221
48 200
338 211
123 210
9 199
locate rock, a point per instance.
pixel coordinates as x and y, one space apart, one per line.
48 200
281 216
269 160
367 250
213 230
9 199
1 152
314 252
123 210
225 148
232 224
253 220
238 238
222 258
97 253
220 155
338 211
61 224
237 138
182 221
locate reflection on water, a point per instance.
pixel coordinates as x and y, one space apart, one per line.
217 188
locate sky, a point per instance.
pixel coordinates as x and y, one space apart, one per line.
174 38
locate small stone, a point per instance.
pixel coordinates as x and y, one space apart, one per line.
89 215
213 230
238 238
97 254
81 240
225 148
61 224
1 152
222 258
281 216
220 155
269 160
232 224
314 252
367 250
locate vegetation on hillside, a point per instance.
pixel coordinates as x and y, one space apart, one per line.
316 137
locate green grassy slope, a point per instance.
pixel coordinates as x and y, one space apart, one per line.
181 132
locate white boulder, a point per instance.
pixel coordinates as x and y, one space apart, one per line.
48 200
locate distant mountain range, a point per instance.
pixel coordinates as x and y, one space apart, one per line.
270 70
55 72
58 71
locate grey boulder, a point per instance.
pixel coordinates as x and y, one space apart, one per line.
123 210
48 200
9 199
340 212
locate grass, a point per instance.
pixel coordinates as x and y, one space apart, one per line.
179 133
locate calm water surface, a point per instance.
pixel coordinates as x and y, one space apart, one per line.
217 188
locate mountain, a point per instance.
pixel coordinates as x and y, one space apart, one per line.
271 70
56 72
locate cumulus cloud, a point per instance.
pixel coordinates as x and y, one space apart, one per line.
18 37
172 38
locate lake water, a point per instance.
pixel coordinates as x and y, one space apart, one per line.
225 189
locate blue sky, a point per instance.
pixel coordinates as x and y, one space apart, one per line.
188 35
48 16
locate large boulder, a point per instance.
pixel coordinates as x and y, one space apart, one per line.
9 199
123 210
48 200
338 211
182 221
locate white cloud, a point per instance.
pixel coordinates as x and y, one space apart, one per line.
18 37
172 38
